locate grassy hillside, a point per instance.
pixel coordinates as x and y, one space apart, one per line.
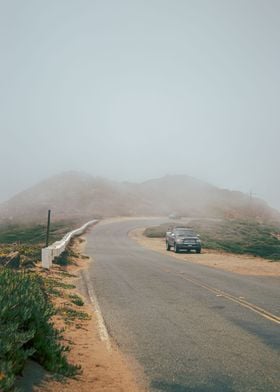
28 240
79 196
236 236
34 234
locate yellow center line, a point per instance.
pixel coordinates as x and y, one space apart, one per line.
254 308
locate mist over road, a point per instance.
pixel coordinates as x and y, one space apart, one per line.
184 323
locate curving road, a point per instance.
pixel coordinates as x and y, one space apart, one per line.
192 328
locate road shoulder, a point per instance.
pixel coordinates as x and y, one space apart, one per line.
240 264
102 369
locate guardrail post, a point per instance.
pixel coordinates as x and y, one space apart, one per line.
46 258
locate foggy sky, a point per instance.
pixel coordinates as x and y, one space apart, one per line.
133 90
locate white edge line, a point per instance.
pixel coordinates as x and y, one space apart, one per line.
102 330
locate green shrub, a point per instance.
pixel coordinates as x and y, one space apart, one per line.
76 299
52 283
62 259
69 314
155 231
25 328
65 257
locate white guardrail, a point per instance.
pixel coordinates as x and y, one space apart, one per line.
54 250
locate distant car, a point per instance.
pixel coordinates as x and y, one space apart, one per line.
174 216
182 238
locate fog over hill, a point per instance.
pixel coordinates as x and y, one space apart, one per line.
74 195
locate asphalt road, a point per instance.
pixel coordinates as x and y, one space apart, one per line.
192 328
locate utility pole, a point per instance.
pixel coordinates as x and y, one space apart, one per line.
48 228
251 195
251 202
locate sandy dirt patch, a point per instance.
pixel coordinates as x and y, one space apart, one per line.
103 370
240 264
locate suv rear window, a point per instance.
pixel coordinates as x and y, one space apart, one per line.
186 233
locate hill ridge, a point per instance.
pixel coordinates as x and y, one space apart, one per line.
76 195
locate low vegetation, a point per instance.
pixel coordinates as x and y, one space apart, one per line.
70 314
34 234
67 257
26 329
30 302
76 299
28 240
236 236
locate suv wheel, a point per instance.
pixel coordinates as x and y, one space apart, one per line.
167 245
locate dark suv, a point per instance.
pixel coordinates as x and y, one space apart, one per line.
182 238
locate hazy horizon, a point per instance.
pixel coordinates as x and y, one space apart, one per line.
133 90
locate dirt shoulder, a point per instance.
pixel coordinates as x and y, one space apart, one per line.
240 264
102 370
